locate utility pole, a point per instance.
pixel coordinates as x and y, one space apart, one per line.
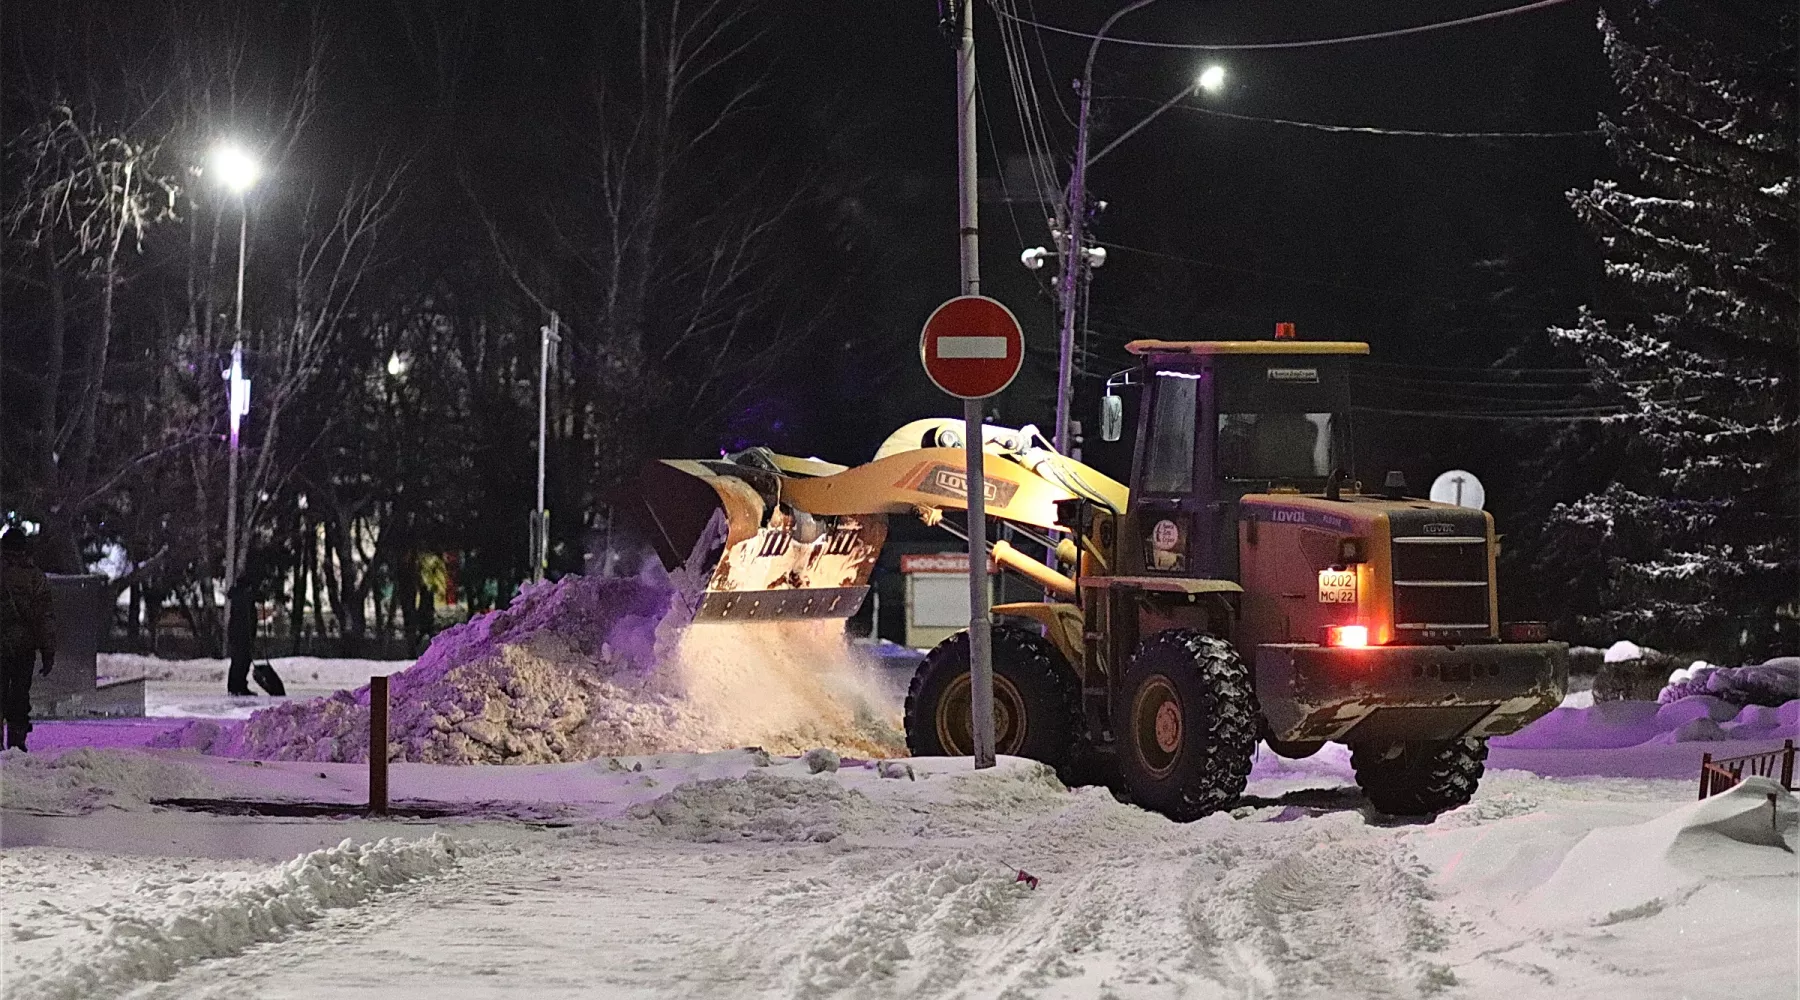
1074 256
981 664
550 337
1068 280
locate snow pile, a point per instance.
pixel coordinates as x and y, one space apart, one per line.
584 667
178 922
758 806
1609 725
1773 683
82 781
1615 874
1621 651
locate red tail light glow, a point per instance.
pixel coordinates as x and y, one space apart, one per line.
1351 636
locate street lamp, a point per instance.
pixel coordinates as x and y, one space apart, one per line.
237 171
1210 80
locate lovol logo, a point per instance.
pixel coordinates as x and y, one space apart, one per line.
948 481
1439 528
1281 516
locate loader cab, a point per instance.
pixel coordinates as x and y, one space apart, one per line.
1221 419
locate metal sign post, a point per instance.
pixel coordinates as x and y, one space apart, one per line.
981 631
972 347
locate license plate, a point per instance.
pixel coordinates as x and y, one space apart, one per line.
1337 586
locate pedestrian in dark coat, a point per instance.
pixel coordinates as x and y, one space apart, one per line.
27 631
240 637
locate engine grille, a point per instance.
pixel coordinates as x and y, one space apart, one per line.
1440 588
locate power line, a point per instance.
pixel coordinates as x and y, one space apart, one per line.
994 145
1049 73
1306 44
1364 289
1521 418
1034 130
1442 368
1373 130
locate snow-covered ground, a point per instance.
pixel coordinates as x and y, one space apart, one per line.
732 874
1584 867
196 688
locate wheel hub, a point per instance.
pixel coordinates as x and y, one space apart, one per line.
954 731
1168 727
1158 725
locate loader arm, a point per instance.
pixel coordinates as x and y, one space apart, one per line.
779 537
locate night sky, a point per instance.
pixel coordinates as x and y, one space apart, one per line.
1442 253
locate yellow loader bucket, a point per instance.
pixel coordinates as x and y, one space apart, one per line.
762 558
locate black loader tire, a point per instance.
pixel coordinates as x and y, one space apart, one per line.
1037 700
1185 724
1407 780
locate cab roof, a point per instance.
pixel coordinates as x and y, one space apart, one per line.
1247 347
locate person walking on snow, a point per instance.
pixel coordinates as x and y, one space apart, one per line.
27 630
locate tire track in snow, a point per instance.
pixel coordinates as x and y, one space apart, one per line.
221 917
1337 911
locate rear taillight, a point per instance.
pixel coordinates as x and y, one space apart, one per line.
1350 636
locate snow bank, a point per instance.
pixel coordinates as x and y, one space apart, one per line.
82 781
585 667
1772 683
1609 725
294 670
179 922
1617 874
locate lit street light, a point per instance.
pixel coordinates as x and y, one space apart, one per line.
237 171
1210 80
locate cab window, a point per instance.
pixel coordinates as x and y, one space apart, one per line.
1275 445
1169 461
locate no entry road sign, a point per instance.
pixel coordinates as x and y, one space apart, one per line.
972 347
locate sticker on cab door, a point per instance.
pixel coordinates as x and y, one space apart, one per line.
1337 586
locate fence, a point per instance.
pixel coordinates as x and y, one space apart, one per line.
1718 775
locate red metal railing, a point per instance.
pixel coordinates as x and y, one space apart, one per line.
1718 775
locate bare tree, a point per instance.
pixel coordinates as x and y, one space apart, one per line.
85 195
339 237
670 245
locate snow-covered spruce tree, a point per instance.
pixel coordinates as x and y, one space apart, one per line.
1697 536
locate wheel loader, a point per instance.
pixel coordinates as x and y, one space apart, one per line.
1242 587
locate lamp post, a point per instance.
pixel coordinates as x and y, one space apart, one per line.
237 171
549 337
1073 255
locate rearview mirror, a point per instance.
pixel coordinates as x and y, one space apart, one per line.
1112 417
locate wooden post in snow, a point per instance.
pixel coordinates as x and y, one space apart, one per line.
378 746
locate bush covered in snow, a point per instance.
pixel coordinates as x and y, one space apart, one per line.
1773 683
1632 673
